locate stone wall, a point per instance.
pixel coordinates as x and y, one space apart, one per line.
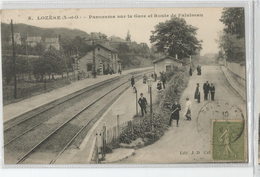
238 72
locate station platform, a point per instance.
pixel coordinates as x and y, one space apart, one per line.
82 154
13 110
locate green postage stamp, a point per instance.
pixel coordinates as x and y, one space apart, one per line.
228 140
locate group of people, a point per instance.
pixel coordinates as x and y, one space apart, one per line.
176 108
208 89
209 93
162 81
142 100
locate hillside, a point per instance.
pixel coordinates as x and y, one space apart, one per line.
28 30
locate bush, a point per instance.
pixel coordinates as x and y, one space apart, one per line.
161 115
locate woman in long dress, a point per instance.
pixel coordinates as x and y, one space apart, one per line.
197 93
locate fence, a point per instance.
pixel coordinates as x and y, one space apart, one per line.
110 138
29 87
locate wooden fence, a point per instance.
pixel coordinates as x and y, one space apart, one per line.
109 137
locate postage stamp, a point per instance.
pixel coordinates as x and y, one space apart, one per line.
228 140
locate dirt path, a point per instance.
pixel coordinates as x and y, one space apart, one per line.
190 142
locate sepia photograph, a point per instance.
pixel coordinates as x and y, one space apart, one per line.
124 86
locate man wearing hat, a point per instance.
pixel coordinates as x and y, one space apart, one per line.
143 103
132 81
187 112
206 90
176 107
212 91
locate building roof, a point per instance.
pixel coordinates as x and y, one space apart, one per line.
115 39
89 56
168 57
33 39
98 35
52 40
109 48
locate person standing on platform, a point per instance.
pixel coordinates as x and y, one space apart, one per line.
187 112
176 107
144 78
197 93
143 103
155 77
133 81
212 91
206 90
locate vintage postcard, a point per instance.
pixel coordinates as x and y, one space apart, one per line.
124 86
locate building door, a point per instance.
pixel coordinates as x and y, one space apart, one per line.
89 67
168 67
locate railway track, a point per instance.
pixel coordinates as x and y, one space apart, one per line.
60 129
26 122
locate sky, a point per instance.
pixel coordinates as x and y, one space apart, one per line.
140 24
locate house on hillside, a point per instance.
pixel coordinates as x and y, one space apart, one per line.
115 41
166 64
106 60
17 39
54 42
32 41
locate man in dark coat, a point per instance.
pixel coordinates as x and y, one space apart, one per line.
143 103
132 81
176 107
163 79
206 90
212 91
190 71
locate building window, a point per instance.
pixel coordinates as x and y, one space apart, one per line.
89 67
168 67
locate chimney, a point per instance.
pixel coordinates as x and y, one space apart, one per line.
176 56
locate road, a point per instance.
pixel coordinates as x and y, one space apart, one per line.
189 143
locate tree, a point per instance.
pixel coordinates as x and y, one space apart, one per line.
46 64
39 49
7 68
232 39
234 48
233 19
176 37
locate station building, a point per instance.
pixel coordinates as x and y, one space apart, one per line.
106 60
166 64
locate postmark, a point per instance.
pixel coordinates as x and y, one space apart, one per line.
216 110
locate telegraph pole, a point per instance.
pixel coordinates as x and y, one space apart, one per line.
14 72
94 63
